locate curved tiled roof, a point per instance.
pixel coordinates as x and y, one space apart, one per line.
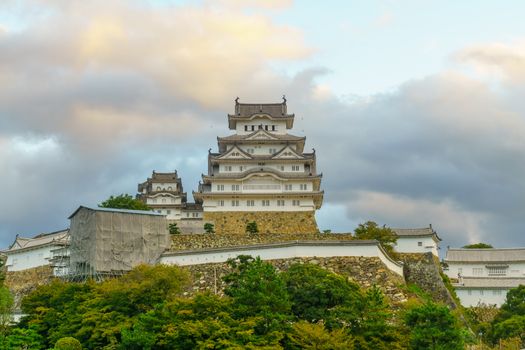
493 255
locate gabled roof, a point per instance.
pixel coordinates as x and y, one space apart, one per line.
247 111
416 232
490 282
114 210
287 153
493 255
268 136
240 154
58 237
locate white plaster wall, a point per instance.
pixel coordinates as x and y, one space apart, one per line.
28 259
280 126
466 270
411 245
261 185
471 296
164 186
286 252
306 204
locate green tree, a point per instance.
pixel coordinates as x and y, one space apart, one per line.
257 290
67 343
433 326
370 230
209 228
314 336
173 229
478 246
6 310
252 228
315 292
510 321
124 201
27 339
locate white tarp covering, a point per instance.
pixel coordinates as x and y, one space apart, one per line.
111 241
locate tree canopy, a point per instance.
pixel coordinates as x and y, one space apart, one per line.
478 246
124 201
371 230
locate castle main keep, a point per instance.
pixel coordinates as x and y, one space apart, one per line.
261 173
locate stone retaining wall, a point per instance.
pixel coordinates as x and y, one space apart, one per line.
267 222
424 270
189 242
21 283
364 271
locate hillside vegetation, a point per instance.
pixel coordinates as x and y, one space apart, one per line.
305 307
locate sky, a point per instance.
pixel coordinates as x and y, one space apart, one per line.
415 108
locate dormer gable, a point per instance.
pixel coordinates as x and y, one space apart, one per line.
235 153
261 135
287 153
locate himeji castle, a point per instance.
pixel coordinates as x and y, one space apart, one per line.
262 174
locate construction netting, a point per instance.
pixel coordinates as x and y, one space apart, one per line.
112 242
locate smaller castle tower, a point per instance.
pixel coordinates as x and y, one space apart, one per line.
163 193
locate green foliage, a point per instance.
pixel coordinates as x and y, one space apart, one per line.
315 293
173 229
315 336
370 230
433 326
252 228
2 270
257 289
67 343
6 310
124 201
478 246
327 231
95 314
20 338
209 228
510 321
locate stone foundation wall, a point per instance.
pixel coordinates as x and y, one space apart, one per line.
189 242
424 270
21 283
364 271
191 226
267 222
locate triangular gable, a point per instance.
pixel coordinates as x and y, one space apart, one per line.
235 153
261 135
288 153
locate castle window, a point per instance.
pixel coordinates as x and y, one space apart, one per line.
246 128
273 150
273 127
282 167
250 150
497 270
168 211
296 203
266 127
280 202
288 187
169 188
235 203
159 211
221 203
241 168
477 271
496 292
295 167
419 244
220 187
158 188
250 203
253 127
265 202
227 168
303 187
235 187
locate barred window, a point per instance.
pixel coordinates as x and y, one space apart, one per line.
497 270
266 202
250 203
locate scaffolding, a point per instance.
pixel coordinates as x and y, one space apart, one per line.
109 242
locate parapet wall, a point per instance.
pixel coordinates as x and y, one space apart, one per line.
188 241
366 271
267 222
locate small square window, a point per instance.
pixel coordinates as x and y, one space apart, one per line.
419 244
